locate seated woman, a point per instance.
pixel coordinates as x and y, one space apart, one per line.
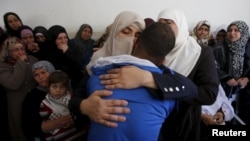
201 32
85 44
31 119
233 59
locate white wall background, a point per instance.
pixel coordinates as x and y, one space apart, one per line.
100 13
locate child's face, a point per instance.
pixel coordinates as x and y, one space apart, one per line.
57 90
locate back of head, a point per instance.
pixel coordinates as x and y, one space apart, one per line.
156 41
148 21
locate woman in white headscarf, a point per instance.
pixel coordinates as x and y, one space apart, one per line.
197 63
126 26
118 43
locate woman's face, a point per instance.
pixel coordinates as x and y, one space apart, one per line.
62 38
233 33
28 39
41 76
40 38
171 23
18 50
202 32
130 31
86 33
220 37
13 22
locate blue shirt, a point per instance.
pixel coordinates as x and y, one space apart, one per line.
147 113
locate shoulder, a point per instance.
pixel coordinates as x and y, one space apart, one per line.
206 51
32 58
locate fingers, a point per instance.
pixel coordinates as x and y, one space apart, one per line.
114 71
114 103
108 123
108 76
102 93
111 120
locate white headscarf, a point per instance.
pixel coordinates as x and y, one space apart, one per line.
187 51
219 28
115 45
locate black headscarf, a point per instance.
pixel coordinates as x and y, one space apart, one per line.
10 31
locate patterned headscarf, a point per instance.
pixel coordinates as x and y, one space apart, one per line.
46 65
237 48
115 45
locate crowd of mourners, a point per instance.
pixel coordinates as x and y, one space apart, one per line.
57 88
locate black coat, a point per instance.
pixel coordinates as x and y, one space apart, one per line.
184 123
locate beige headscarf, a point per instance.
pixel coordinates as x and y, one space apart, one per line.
196 29
115 45
7 47
187 51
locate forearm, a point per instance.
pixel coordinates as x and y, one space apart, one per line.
175 86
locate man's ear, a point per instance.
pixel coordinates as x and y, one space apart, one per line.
161 62
135 48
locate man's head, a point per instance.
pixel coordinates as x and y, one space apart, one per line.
154 43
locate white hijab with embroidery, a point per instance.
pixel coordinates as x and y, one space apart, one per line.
187 51
115 45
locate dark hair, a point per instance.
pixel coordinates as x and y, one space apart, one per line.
59 77
157 40
148 21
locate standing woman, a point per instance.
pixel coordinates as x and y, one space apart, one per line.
16 78
198 64
40 32
12 22
85 44
233 59
62 54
